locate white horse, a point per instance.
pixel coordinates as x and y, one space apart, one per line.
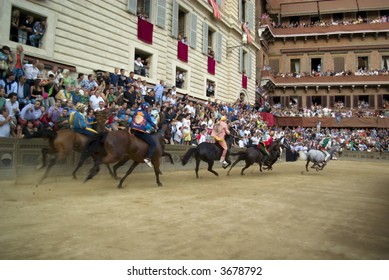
320 158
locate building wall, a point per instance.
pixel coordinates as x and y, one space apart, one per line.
102 35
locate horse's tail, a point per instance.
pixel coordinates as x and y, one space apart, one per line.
241 154
188 155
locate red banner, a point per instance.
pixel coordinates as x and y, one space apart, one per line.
244 81
211 65
145 31
182 51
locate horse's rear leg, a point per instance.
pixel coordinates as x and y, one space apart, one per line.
79 164
235 162
210 165
132 167
45 151
49 166
157 171
248 164
197 167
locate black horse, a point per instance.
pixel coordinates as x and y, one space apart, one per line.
208 152
254 155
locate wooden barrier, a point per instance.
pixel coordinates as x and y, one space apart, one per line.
17 156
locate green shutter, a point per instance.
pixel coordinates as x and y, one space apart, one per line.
205 38
193 30
241 60
240 10
161 13
132 6
175 19
250 15
219 50
249 65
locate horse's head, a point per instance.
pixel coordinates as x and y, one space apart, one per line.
284 142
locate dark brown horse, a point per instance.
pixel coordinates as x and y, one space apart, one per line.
119 147
253 155
63 142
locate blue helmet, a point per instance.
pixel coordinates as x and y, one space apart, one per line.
144 106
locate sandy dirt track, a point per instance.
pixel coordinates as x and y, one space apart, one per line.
339 213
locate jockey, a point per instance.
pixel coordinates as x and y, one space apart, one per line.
140 119
324 145
218 133
78 121
266 141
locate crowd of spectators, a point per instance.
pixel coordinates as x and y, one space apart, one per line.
35 97
321 23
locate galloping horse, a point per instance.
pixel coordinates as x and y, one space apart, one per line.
253 155
208 152
63 142
120 146
318 157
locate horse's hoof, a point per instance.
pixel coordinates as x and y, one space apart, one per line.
75 177
160 185
242 174
120 186
39 167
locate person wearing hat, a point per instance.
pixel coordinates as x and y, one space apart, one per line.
219 131
78 122
138 126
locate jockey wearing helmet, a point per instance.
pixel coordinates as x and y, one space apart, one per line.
78 122
266 141
218 133
140 119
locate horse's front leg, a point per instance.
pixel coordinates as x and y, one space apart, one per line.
197 167
117 165
49 166
157 171
235 162
132 167
45 151
306 166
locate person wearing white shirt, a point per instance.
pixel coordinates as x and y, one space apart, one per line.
5 129
31 112
174 91
138 67
12 106
95 99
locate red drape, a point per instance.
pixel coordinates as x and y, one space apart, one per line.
211 65
145 31
216 12
269 118
244 81
182 51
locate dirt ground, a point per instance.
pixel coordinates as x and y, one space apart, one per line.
287 213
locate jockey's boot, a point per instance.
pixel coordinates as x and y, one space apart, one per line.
148 162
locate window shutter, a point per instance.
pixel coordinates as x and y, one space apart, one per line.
309 101
371 101
300 102
324 101
250 15
161 13
219 49
347 103
249 65
205 38
132 6
241 57
193 30
355 101
332 101
175 19
240 10
338 64
380 100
